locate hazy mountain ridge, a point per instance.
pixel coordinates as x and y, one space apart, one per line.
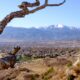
41 34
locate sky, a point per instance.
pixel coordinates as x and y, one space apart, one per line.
67 14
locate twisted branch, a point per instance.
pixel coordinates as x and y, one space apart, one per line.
25 11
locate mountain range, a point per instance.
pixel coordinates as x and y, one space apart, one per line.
50 33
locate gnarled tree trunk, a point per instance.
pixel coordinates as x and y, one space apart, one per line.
25 11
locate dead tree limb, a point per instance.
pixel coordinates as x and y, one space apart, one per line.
10 59
25 11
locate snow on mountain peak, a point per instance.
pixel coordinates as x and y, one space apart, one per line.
59 26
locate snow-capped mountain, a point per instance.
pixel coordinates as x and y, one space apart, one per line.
59 26
53 32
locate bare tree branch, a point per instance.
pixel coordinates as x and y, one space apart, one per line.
57 4
45 5
25 11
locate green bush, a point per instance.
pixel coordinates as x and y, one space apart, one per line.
47 75
23 58
70 77
69 64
